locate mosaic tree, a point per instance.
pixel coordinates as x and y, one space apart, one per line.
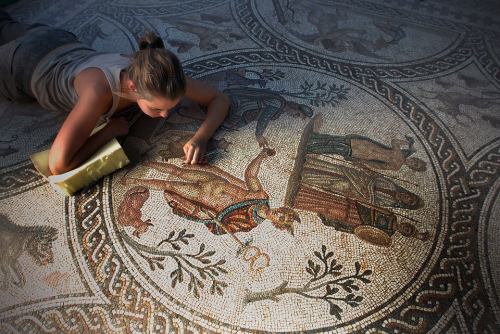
199 267
326 283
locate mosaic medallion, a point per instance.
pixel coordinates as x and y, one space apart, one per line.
353 188
300 225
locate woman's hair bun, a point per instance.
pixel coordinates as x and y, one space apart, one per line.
150 41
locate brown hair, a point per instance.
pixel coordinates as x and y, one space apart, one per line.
155 70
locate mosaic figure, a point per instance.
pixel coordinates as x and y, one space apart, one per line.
359 184
366 151
245 77
470 82
455 104
334 35
208 191
261 105
211 32
345 198
15 240
369 223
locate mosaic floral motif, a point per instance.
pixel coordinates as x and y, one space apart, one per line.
324 275
198 267
353 187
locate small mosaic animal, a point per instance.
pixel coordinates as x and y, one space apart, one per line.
16 240
129 211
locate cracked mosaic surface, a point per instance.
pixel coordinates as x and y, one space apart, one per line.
353 189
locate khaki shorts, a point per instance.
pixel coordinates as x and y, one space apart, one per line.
20 56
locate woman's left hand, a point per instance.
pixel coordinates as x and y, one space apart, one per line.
194 151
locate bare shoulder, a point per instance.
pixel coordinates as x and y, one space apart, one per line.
94 94
92 81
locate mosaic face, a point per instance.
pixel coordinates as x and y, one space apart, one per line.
352 188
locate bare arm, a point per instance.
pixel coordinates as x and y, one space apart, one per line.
252 172
217 108
72 145
396 144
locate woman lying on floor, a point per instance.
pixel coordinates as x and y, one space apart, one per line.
51 66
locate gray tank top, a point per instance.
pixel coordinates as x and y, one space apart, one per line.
53 78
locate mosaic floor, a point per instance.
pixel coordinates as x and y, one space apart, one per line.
354 188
